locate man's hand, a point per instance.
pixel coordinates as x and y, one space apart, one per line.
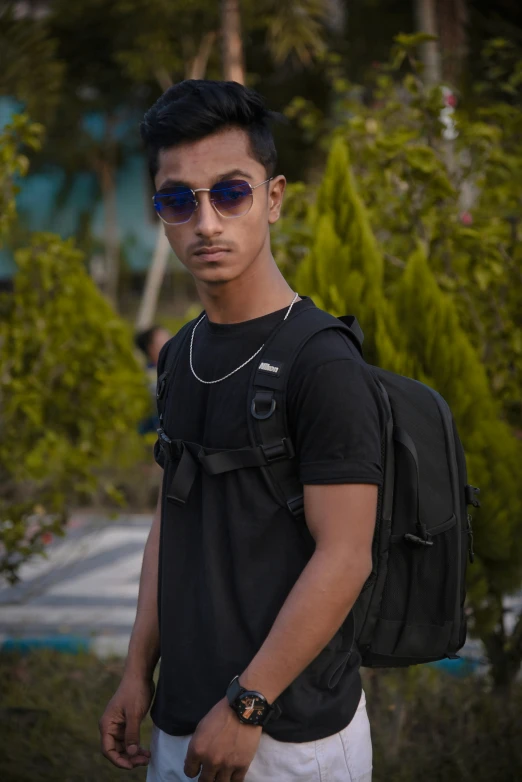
222 746
120 724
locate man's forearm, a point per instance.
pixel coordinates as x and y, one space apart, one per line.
143 651
311 615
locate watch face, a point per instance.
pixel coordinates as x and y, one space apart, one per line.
251 707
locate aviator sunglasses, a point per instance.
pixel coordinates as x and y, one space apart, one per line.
232 198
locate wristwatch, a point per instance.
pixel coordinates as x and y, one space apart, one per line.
251 707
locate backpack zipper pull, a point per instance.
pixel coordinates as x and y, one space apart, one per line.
423 538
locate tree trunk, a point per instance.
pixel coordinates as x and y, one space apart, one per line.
232 44
504 653
163 78
198 66
158 265
452 23
107 177
447 19
153 282
426 13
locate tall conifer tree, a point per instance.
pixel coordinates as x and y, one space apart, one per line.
344 269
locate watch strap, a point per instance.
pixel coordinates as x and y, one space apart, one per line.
234 690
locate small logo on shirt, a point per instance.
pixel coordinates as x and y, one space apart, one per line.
271 368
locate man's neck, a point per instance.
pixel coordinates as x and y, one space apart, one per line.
253 301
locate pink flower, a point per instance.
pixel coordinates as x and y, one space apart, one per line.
450 100
466 218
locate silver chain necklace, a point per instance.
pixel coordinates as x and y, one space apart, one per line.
208 382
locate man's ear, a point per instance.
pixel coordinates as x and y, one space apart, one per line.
275 198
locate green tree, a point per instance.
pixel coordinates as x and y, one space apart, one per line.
71 392
345 267
450 176
29 66
412 326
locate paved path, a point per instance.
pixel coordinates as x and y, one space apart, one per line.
84 594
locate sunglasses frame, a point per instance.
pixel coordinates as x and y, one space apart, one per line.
208 190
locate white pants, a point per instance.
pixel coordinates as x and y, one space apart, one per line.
343 757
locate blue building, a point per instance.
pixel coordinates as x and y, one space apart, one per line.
49 201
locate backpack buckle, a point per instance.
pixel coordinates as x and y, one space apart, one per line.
296 505
281 450
171 448
160 386
163 437
471 495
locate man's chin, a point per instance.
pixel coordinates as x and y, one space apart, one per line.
223 269
214 273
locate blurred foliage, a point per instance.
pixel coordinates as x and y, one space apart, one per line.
51 705
29 67
71 392
432 726
71 395
296 30
293 232
450 177
160 39
19 133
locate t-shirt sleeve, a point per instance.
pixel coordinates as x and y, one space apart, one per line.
336 418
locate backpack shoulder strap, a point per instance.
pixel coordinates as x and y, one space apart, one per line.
172 353
266 413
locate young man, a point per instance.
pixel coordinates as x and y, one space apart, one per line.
242 589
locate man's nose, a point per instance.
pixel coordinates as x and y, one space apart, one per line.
208 222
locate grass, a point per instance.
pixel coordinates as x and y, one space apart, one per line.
50 707
425 724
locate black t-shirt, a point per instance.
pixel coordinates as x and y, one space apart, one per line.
230 557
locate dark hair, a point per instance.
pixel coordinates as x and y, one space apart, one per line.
143 339
196 108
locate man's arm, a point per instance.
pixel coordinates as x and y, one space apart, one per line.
143 653
341 518
120 724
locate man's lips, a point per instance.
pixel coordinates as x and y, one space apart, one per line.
211 253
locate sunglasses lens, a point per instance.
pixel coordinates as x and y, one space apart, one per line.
232 198
175 206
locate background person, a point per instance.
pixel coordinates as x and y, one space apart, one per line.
150 343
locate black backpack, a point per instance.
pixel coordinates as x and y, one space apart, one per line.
411 608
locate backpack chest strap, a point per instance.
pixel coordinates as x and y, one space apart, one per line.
193 456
